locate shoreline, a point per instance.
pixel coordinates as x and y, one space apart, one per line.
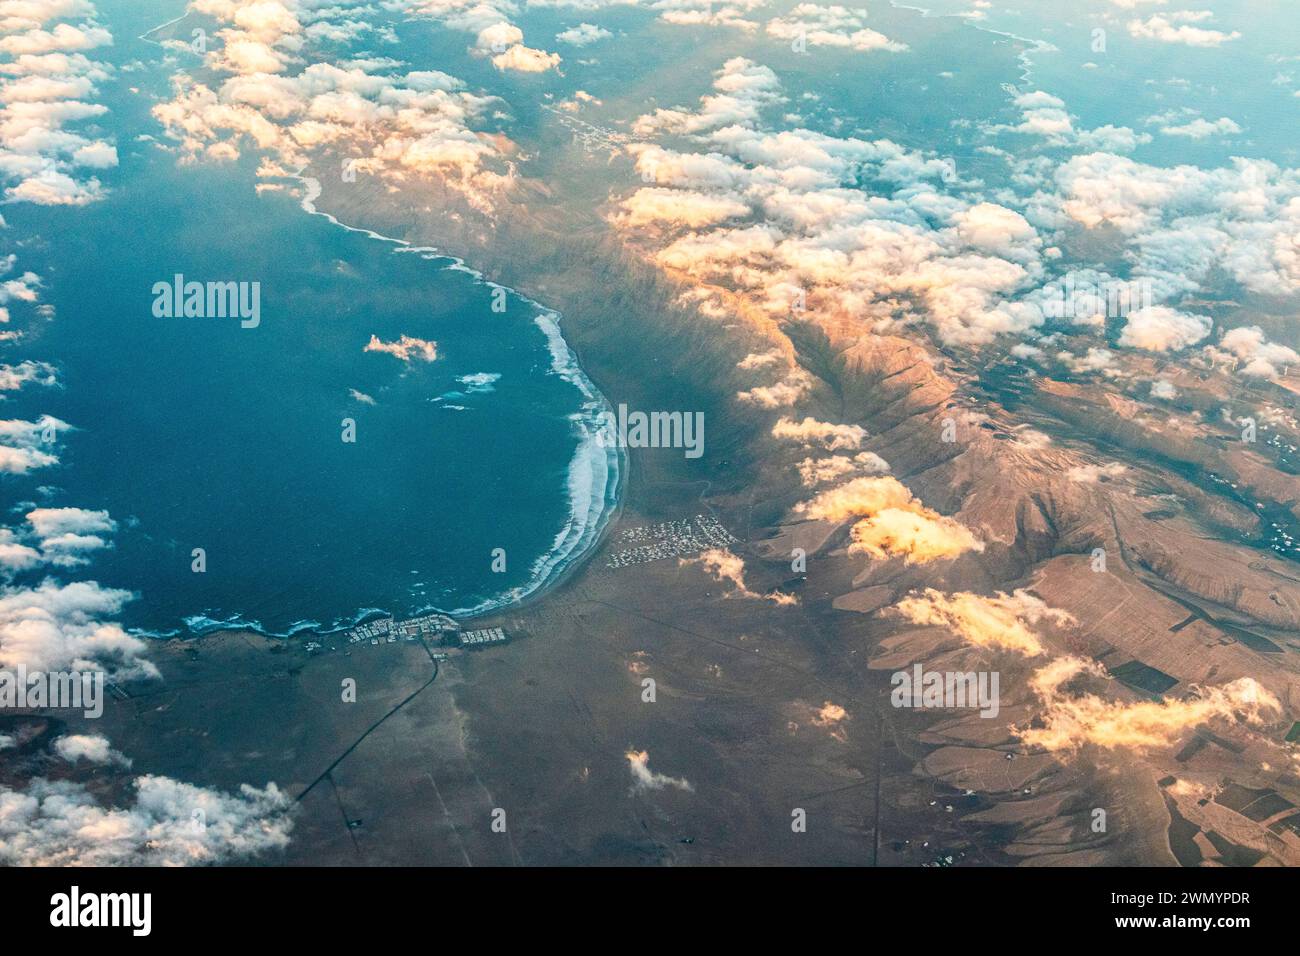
600 469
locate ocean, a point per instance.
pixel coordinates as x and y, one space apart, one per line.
472 479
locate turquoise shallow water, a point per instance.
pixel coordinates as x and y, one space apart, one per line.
196 433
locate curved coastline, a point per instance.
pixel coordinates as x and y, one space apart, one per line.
596 473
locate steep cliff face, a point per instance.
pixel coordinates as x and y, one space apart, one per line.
1143 526
1149 524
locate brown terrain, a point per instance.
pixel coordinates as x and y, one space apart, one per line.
763 709
541 728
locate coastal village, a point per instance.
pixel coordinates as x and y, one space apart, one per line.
432 629
685 537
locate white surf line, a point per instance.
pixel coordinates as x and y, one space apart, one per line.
1025 58
553 563
592 497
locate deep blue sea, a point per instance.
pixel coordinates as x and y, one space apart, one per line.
197 433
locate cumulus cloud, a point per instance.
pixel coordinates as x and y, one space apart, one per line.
1094 360
1159 328
1070 722
19 288
757 360
27 445
93 748
999 622
680 207
894 524
56 626
857 498
1248 350
1045 116
15 555
1177 27
14 377
882 261
643 778
1201 128
743 90
582 35
786 392
916 534
723 565
818 471
1185 223
167 823
832 437
46 95
364 114
495 36
907 251
813 25
730 13
407 348
68 535
526 59
49 522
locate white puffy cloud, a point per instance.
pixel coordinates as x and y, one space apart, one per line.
1094 360
914 254
1184 223
93 748
526 59
1201 128
408 348
723 565
1045 116
15 555
781 394
167 823
830 436
46 91
1247 348
892 522
1071 721
382 122
26 445
643 778
830 26
1002 622
55 626
1159 328
495 35
680 207
68 535
582 35
49 522
1177 27
729 13
14 377
743 90
818 471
